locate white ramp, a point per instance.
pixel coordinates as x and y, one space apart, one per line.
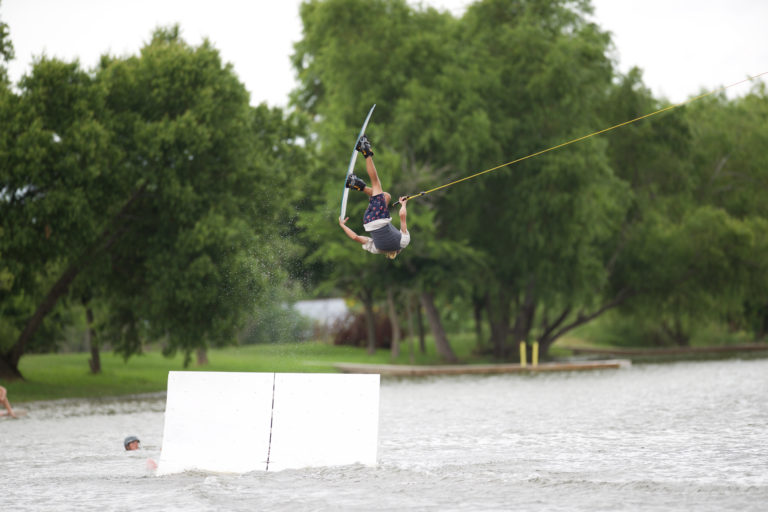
211 415
324 420
240 422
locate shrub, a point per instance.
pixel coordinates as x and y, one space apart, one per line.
352 330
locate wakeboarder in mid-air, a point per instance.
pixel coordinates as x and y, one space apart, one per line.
384 237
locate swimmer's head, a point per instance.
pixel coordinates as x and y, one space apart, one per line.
131 443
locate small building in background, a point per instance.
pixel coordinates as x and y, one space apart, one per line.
324 311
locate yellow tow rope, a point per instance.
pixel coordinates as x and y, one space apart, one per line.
584 137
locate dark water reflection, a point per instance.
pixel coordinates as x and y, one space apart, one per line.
685 436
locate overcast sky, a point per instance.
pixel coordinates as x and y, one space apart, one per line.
683 46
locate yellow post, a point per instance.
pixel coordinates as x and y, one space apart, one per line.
535 355
522 353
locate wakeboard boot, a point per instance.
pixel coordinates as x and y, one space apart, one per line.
355 183
364 146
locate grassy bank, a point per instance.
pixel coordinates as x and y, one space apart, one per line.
54 376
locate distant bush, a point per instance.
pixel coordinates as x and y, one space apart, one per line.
352 330
622 330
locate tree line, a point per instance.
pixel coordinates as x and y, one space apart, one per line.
661 219
149 191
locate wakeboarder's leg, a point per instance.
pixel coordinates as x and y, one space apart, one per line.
376 188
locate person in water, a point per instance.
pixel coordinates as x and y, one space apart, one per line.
4 401
131 443
385 238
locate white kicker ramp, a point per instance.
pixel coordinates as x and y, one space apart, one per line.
240 422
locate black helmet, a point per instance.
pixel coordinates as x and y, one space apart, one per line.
129 440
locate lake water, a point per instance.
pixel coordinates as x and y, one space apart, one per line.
683 436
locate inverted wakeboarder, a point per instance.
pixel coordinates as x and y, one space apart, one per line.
385 238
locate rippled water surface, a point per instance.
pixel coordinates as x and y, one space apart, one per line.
685 436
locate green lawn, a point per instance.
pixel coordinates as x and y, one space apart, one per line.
53 376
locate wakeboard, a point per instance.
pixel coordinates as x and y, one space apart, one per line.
352 161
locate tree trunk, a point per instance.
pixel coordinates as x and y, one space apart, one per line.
525 314
202 356
676 332
11 358
411 330
10 368
477 309
90 335
557 328
498 318
420 323
545 339
370 320
441 341
395 323
9 371
762 328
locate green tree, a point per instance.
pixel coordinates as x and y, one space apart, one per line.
689 271
541 76
6 51
54 152
686 258
6 55
459 94
208 241
442 267
568 235
730 141
152 183
730 138
399 44
755 312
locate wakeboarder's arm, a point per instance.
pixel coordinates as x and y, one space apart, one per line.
403 214
351 234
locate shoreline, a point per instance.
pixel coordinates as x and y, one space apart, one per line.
396 370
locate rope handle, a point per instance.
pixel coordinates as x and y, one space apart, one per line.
407 198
